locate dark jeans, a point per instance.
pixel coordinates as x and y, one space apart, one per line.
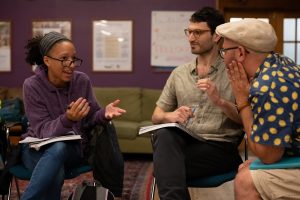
178 156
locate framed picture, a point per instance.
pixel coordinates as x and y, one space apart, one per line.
112 46
5 46
169 45
43 27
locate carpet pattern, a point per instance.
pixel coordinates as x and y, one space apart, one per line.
137 181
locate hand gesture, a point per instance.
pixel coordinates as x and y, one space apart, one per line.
239 82
111 110
78 109
180 115
210 88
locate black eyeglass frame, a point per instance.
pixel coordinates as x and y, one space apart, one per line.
71 61
222 51
188 32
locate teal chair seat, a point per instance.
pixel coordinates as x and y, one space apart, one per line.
284 163
203 182
212 181
208 181
20 172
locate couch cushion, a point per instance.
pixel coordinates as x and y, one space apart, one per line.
130 100
14 92
149 98
126 129
3 92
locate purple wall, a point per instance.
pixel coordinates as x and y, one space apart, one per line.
81 13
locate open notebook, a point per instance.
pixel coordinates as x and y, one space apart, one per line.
36 143
147 129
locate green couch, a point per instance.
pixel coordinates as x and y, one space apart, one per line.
139 104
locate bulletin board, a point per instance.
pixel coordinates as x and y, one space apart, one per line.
112 46
169 45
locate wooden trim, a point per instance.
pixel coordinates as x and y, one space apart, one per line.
275 10
274 5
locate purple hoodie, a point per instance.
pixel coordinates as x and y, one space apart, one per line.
45 105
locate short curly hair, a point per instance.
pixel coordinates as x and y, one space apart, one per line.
210 15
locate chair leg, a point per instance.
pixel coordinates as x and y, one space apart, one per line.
152 192
18 189
9 190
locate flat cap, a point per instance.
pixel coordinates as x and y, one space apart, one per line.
254 34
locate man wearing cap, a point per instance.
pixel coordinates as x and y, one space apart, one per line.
266 87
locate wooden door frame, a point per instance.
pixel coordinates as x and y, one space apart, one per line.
275 10
242 5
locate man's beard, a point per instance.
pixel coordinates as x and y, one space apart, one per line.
201 51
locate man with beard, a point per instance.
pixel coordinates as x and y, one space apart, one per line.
198 95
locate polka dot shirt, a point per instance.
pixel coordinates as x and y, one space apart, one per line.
274 97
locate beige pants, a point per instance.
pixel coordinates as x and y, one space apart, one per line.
277 184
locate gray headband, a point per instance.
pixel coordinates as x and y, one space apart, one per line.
49 40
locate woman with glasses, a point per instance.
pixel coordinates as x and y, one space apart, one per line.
57 99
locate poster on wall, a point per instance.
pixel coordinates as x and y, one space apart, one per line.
112 46
43 27
5 46
169 45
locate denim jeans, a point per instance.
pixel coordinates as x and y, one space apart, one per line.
48 167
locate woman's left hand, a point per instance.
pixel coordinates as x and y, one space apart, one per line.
111 110
78 110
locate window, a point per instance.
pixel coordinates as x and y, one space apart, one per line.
286 22
291 38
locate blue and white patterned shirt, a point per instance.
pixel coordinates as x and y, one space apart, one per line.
274 97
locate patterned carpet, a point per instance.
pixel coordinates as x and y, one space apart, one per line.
137 179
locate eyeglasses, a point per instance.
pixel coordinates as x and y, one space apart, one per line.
223 51
67 63
196 33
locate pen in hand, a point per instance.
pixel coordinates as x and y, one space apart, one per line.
193 111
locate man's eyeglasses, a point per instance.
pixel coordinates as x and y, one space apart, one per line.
196 33
223 51
67 63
